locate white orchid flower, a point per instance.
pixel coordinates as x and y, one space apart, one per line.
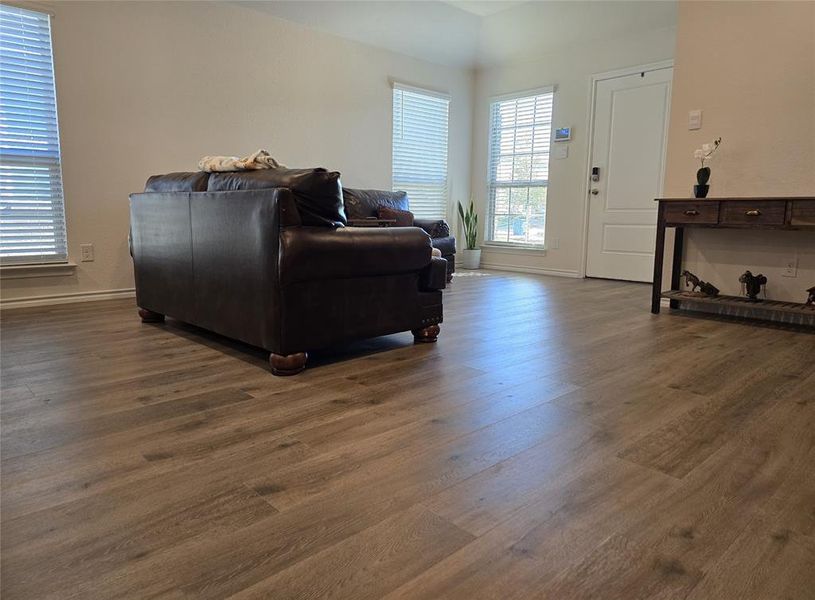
698 153
707 148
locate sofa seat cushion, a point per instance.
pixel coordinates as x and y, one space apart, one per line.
312 253
178 182
447 245
317 192
362 204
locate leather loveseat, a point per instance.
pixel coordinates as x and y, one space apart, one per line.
366 204
264 257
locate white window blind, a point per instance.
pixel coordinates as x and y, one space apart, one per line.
32 217
420 150
520 135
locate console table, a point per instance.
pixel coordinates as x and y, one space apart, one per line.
786 214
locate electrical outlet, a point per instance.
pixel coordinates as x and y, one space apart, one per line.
555 244
86 251
790 268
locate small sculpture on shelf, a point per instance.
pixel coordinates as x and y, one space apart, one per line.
810 296
691 280
708 289
705 288
751 285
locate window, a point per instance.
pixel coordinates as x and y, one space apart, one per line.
420 149
32 219
520 132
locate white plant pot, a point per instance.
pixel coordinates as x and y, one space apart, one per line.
470 259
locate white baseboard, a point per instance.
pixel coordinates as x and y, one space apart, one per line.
67 298
665 303
532 270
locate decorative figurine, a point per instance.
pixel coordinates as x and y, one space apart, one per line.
705 289
691 280
751 285
811 297
708 289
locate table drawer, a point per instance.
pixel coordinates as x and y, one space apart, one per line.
803 212
752 213
706 212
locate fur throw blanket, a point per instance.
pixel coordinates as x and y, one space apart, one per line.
257 160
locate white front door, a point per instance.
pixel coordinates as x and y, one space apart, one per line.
630 131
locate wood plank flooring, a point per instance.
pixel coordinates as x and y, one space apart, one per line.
558 442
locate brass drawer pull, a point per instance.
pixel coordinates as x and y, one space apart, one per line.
691 213
753 213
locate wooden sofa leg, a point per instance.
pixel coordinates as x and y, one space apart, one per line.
288 364
426 335
148 316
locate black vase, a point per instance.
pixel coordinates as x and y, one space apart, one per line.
702 177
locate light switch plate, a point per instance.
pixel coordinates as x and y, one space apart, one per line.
86 251
560 151
694 120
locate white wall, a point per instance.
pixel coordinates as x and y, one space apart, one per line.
750 66
569 68
150 87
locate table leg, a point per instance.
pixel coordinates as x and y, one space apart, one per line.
659 255
676 262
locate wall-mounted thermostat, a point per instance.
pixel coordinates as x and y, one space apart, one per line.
563 134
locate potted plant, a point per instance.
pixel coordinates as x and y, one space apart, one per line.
471 255
703 154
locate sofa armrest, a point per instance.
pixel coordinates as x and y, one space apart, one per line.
435 228
312 253
434 276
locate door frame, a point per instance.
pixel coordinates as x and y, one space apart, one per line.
595 79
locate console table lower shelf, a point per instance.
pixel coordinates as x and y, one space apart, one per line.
794 313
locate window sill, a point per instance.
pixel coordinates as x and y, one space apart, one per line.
514 249
42 270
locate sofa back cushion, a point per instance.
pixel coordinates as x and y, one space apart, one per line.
178 182
317 192
363 204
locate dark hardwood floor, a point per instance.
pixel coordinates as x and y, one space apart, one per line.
558 442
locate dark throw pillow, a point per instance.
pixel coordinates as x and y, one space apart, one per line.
403 218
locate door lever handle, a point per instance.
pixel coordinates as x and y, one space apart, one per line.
595 191
753 213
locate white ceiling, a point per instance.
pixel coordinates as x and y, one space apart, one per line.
473 33
484 8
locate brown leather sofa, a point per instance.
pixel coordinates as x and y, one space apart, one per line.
365 204
264 257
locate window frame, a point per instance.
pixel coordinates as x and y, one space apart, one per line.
60 259
492 180
399 186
